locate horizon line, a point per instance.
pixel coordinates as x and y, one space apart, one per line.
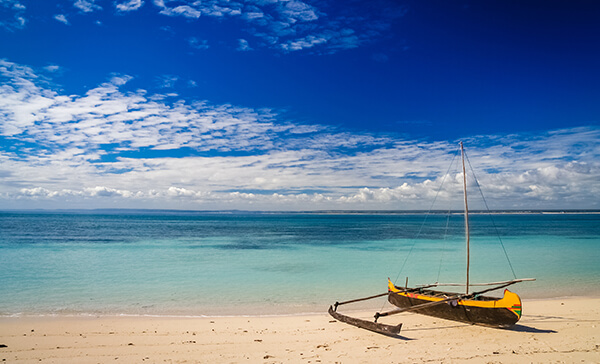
327 211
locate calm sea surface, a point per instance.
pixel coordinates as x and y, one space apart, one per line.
248 264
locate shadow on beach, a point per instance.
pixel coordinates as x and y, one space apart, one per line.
403 338
523 328
436 327
518 328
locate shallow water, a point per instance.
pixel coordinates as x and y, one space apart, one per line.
236 264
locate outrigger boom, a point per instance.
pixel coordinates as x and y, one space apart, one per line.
513 281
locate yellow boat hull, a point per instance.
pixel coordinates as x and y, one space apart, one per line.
488 311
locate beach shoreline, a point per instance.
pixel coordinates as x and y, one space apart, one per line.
551 330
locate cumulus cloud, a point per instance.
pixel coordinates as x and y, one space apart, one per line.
103 191
110 147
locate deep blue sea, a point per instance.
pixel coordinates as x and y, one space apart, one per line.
167 263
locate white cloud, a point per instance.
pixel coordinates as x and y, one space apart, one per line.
179 192
291 25
13 19
304 43
294 11
87 6
243 45
61 18
103 191
129 5
253 14
167 81
52 68
37 192
182 10
198 43
109 147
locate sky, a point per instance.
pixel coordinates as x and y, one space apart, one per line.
287 105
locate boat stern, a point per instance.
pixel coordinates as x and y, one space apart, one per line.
512 302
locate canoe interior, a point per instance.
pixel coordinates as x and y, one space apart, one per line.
480 310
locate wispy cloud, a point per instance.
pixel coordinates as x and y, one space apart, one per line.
12 15
287 26
198 43
243 45
181 10
87 6
128 5
295 25
61 18
109 147
167 81
303 43
52 68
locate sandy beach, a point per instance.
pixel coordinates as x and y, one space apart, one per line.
551 331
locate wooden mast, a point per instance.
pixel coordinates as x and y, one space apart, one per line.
467 234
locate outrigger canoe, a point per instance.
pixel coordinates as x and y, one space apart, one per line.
469 307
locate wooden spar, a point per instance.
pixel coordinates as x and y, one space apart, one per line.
476 284
509 283
467 234
389 330
358 300
335 306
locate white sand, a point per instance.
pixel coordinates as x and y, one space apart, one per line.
551 331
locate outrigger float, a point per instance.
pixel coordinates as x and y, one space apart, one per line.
468 307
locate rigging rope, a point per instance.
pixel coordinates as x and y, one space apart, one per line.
490 215
444 244
448 216
426 216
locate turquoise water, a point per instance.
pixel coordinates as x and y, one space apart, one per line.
237 264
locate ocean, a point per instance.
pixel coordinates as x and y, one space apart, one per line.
215 264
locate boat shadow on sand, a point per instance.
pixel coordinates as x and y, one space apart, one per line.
530 329
516 328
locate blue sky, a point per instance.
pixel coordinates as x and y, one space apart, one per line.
296 105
